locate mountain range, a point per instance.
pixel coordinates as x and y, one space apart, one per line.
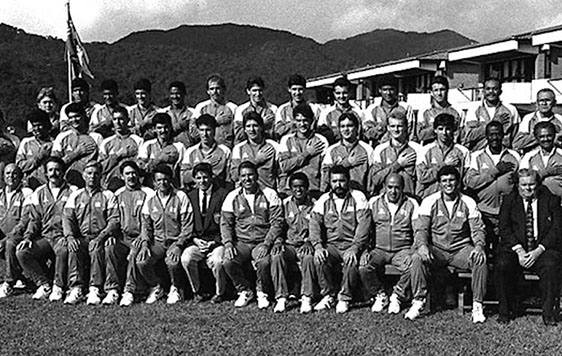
191 53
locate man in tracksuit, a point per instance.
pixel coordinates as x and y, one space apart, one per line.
393 216
450 231
129 202
14 216
44 239
89 233
251 229
339 230
167 227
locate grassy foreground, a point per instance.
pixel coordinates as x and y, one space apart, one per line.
41 328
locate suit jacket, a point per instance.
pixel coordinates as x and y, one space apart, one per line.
512 220
209 228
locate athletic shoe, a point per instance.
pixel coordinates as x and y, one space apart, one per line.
154 294
20 284
75 296
478 313
394 305
42 292
381 301
93 297
57 294
263 302
6 290
127 299
280 305
111 298
415 309
326 303
174 295
342 307
306 304
244 298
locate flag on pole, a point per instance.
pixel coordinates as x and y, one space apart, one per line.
79 63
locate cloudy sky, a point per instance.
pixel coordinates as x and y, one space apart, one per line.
322 20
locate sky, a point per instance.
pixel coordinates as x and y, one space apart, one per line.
321 20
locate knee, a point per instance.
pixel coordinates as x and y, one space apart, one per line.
263 262
187 256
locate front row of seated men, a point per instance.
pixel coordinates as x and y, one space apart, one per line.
67 240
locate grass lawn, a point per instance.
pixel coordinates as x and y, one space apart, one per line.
41 328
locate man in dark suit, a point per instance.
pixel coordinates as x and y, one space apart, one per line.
207 201
530 231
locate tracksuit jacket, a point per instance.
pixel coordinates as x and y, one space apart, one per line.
90 215
533 160
297 220
359 174
108 158
224 114
14 214
247 151
129 205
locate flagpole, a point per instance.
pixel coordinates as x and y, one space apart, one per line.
68 59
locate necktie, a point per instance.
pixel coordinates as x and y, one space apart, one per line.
204 204
529 227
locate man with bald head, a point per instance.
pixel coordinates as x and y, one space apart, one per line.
393 215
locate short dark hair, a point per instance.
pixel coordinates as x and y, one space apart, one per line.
255 81
76 108
129 163
446 120
495 124
544 125
342 82
305 110
296 79
388 80
252 115
109 84
143 84
162 118
439 79
80 83
57 160
339 169
350 116
206 119
38 116
494 79
163 168
203 167
177 84
93 163
299 176
448 170
121 110
216 78
247 165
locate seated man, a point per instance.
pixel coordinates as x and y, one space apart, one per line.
530 240
251 229
207 200
450 232
339 230
167 227
393 215
43 240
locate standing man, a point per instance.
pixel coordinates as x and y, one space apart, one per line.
207 200
81 95
450 232
102 116
44 240
530 230
393 216
182 115
284 119
328 123
142 113
492 108
351 153
339 230
257 103
302 150
525 141
220 108
491 176
443 152
251 229
167 227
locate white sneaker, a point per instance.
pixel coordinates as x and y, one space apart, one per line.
415 309
127 299
93 297
306 304
154 294
478 313
42 292
394 305
56 294
20 284
111 298
263 302
381 301
244 298
75 296
342 307
280 305
6 290
326 303
174 295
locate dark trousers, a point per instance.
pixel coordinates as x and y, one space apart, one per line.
34 261
508 274
8 252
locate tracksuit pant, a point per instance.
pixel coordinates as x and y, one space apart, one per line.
34 260
8 252
373 272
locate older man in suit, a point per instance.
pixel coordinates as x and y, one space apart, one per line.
530 240
207 201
